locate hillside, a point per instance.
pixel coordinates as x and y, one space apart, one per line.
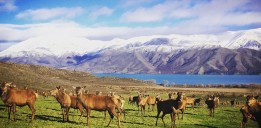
44 78
193 61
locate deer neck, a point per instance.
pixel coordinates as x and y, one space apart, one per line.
59 96
80 97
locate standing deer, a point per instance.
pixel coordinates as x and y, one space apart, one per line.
98 103
13 97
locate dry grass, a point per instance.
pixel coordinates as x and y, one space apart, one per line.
44 78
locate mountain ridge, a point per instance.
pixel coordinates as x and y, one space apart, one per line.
235 52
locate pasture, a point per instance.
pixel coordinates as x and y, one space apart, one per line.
48 114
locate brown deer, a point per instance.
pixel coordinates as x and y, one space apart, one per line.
251 110
120 103
45 94
189 101
98 103
64 100
151 101
76 104
13 97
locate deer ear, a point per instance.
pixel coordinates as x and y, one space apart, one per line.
73 87
84 87
256 96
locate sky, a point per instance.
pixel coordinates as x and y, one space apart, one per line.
109 19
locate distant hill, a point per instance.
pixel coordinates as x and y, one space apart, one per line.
233 52
44 78
193 61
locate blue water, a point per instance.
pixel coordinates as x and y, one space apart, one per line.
192 79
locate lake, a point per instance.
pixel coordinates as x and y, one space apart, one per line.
192 79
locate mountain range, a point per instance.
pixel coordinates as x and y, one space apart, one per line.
231 52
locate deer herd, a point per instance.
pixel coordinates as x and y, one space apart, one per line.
114 104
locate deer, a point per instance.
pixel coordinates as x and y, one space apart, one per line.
13 97
98 103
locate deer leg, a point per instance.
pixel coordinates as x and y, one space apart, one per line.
171 119
174 119
143 107
88 117
63 113
213 111
14 111
114 113
124 113
121 110
244 122
182 112
178 114
142 112
138 106
111 115
9 111
163 119
81 111
157 117
67 113
173 116
32 110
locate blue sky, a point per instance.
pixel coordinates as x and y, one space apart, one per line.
108 19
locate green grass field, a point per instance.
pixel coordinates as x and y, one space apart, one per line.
48 115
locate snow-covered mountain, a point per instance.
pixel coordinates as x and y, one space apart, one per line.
146 52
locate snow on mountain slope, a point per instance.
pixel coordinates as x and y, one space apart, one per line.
59 46
246 39
56 46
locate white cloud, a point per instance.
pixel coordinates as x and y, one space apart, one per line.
9 32
155 13
141 15
217 16
102 11
204 15
7 5
47 14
